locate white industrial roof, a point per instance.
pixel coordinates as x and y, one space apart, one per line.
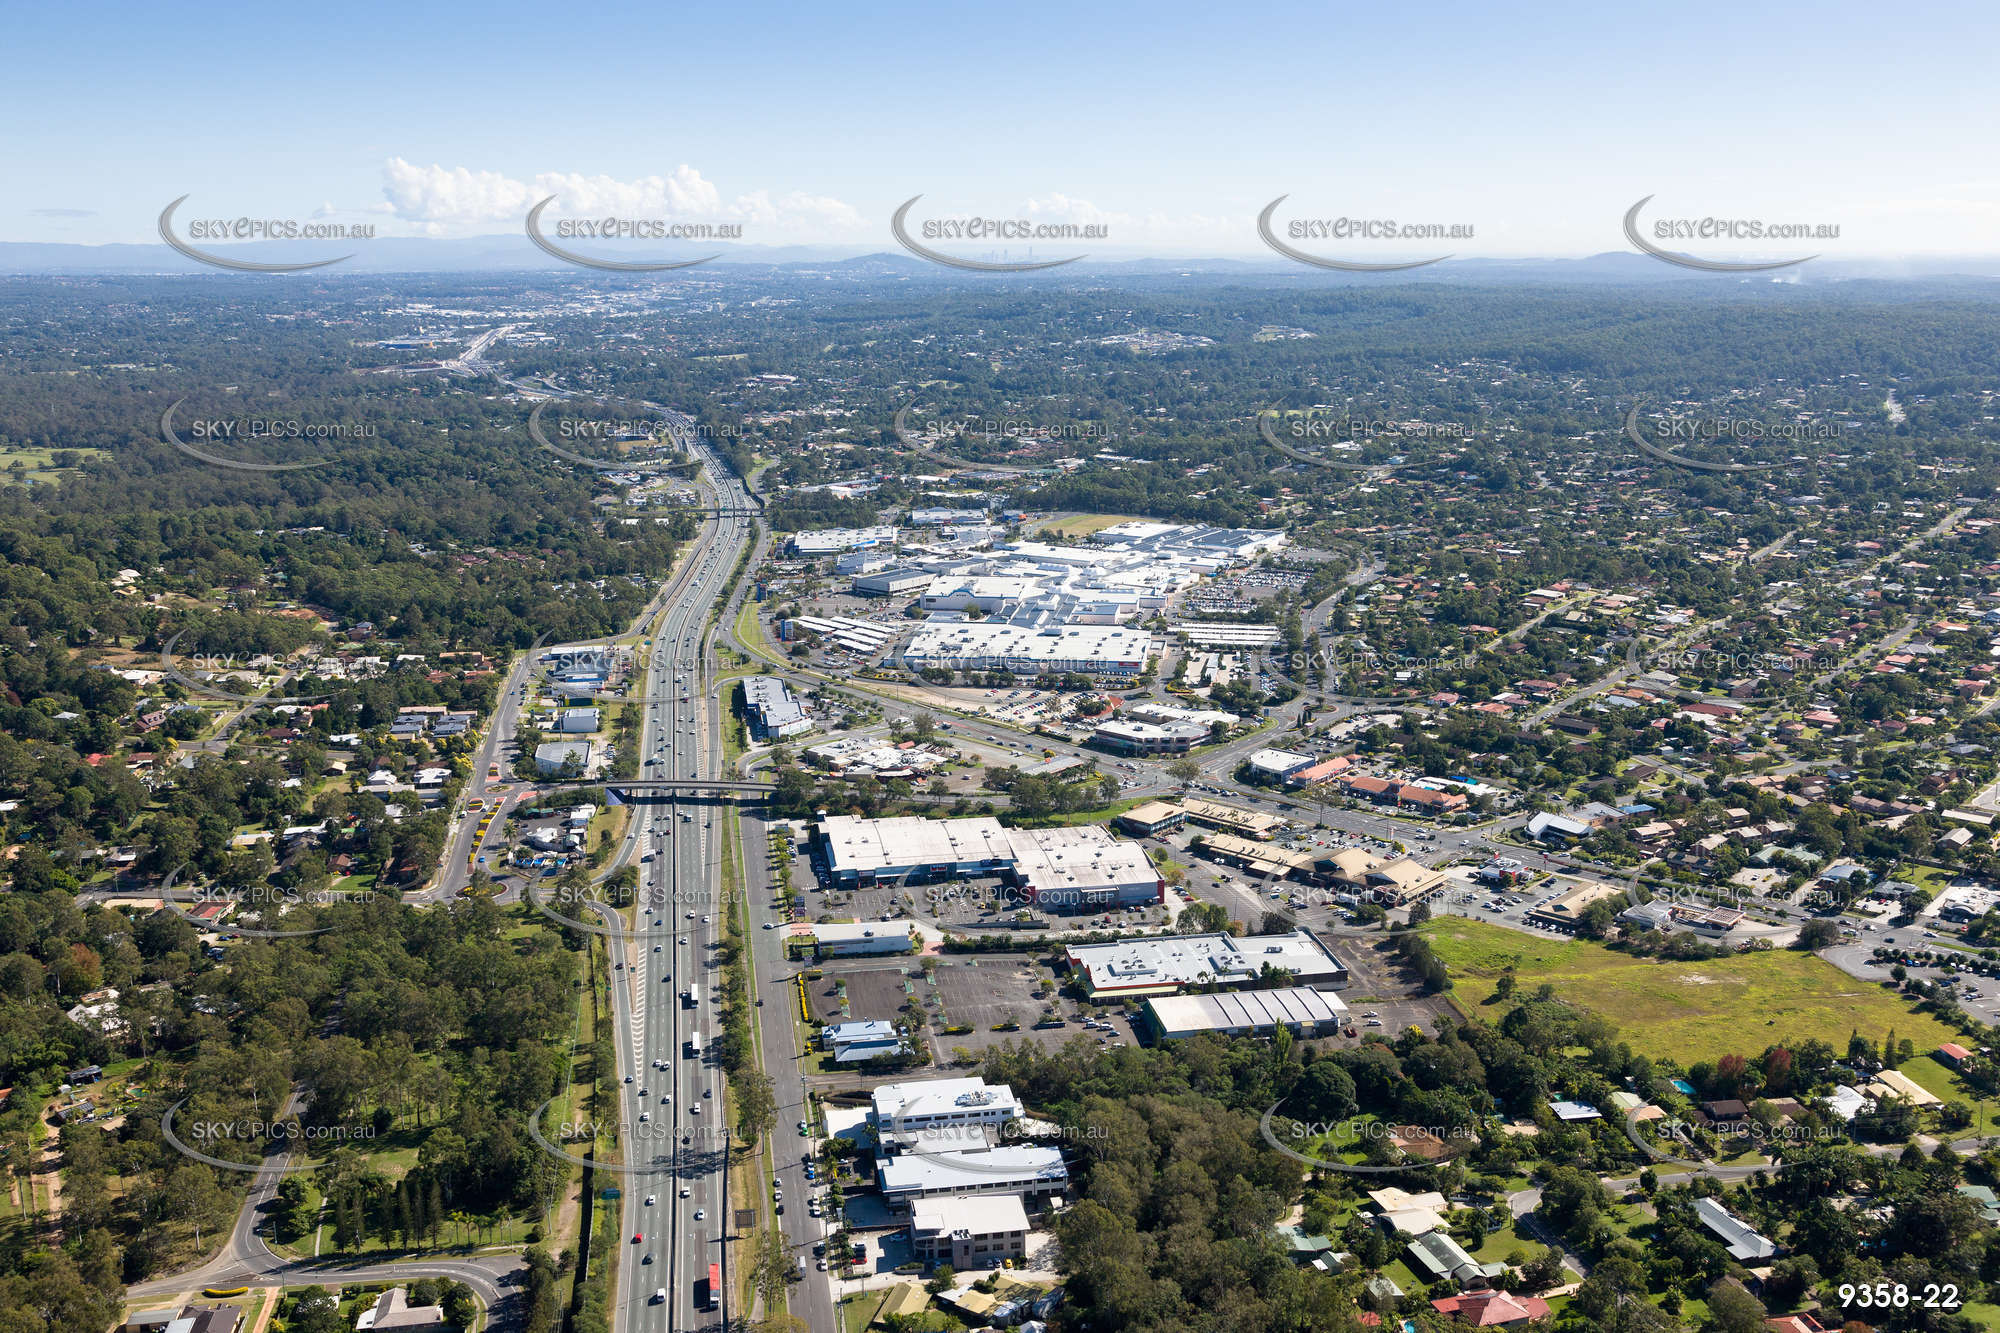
1179 960
941 1096
936 1173
1291 1006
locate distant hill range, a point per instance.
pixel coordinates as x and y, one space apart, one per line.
515 254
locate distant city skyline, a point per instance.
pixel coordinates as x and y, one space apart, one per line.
1165 126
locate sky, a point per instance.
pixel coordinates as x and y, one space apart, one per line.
1170 125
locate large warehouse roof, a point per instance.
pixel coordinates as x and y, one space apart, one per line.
1168 962
1084 646
1082 858
1245 1011
854 844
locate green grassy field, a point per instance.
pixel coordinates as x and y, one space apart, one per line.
1083 525
1687 1010
40 464
1934 1077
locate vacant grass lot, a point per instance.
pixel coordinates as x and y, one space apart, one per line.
1686 1010
1083 525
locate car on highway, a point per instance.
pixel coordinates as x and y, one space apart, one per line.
649 1200
638 1237
699 1214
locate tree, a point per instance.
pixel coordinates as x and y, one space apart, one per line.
1731 1309
770 1266
316 1310
756 1106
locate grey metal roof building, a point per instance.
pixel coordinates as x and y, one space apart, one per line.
772 708
1256 1013
1010 1170
1742 1243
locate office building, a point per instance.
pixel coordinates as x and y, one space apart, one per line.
969 1232
772 710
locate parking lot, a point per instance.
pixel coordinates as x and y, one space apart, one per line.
996 998
1856 958
1378 986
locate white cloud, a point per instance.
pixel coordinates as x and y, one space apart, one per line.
438 200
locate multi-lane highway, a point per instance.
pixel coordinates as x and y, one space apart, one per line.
674 1124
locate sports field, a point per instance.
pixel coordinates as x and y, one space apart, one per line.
1687 1010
